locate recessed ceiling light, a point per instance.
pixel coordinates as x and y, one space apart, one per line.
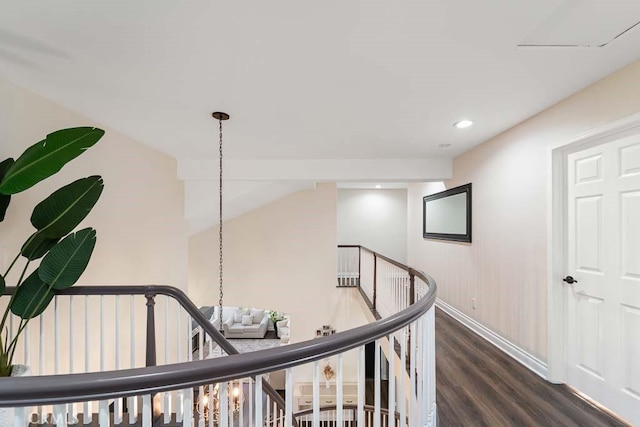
378 186
463 124
444 145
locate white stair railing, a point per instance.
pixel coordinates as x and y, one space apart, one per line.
348 266
324 385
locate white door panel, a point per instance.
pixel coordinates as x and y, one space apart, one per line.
631 350
603 255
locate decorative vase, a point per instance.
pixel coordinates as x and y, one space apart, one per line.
7 415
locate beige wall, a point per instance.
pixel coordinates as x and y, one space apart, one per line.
281 256
505 268
139 218
376 219
142 237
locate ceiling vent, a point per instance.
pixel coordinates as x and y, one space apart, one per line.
586 23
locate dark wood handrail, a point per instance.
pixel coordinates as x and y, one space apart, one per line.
379 255
54 389
150 292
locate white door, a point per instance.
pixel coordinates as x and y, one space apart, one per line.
603 256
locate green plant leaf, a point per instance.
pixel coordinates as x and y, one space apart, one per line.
47 157
5 199
3 284
65 263
37 246
32 297
63 210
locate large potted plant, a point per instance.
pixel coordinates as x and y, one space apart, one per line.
62 253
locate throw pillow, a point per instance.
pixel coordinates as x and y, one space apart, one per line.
247 320
257 315
237 315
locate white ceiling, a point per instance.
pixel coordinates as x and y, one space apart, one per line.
310 80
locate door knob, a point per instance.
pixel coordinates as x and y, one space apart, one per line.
570 280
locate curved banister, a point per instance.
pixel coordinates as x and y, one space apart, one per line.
385 258
53 389
153 290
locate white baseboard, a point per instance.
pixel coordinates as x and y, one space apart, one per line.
528 360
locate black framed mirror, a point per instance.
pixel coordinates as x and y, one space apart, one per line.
447 215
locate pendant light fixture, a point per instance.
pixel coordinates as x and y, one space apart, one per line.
220 117
209 405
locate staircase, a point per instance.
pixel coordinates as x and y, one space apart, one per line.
138 363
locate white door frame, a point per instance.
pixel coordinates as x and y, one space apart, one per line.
557 296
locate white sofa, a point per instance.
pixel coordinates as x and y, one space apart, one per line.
246 323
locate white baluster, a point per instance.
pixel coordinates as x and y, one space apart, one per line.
426 374
71 411
132 402
187 405
87 410
201 405
361 385
251 413
201 388
377 387
432 361
268 414
27 352
288 398
56 336
41 415
340 267
339 391
316 393
241 413
103 414
189 341
179 405
103 404
27 360
19 417
166 404
232 411
179 316
403 384
180 394
392 380
422 407
59 415
258 402
146 411
412 376
223 405
117 403
10 337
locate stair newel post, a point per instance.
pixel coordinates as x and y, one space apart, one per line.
150 352
375 279
151 330
412 288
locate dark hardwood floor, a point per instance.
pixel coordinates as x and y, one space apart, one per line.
479 385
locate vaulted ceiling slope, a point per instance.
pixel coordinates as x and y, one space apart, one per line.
314 80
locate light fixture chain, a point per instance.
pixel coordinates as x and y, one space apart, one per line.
220 233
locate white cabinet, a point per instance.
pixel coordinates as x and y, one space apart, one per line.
328 396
